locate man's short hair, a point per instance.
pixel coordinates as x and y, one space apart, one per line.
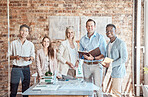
112 25
24 25
90 20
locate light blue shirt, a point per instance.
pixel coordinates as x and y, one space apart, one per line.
120 55
96 40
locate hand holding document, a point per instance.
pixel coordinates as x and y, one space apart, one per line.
106 62
88 57
95 52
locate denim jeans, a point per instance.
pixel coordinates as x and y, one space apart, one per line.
16 75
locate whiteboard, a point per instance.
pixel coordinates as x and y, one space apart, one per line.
58 24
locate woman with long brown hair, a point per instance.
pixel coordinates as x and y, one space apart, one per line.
46 58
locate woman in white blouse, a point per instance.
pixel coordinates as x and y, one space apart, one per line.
46 58
67 54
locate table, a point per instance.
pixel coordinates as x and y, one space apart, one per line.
145 90
73 88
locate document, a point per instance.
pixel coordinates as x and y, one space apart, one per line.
107 60
46 87
47 79
79 70
95 52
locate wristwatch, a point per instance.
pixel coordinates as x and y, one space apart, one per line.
94 58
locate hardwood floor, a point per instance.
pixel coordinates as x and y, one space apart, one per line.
19 95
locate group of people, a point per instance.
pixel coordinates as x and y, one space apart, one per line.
65 60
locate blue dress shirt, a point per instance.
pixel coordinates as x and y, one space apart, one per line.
120 55
96 40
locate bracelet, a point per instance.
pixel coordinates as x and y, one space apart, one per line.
94 58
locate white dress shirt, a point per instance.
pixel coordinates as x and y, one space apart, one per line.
109 48
23 50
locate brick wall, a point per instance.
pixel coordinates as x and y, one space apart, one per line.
35 13
3 49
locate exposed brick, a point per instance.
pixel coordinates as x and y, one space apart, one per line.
36 13
14 1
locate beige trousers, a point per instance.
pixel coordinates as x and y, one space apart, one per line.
93 73
116 86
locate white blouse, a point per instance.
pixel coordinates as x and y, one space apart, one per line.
73 55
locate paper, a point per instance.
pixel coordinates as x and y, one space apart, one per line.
47 79
46 87
107 60
73 85
58 24
79 70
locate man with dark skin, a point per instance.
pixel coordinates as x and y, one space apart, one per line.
116 49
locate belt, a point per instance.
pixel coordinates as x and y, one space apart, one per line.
91 63
14 66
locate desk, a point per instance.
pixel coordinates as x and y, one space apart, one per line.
71 88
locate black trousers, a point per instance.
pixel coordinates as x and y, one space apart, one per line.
18 74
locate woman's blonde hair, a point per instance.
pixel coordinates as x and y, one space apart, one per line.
66 32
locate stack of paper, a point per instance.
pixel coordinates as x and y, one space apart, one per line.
48 79
46 87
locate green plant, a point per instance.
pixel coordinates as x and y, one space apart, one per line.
145 70
48 73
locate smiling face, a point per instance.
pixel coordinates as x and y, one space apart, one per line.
46 42
70 33
110 31
24 32
90 26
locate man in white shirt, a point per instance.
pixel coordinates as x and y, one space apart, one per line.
22 53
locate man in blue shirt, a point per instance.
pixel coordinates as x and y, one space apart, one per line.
116 50
92 69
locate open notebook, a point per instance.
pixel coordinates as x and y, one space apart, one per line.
95 52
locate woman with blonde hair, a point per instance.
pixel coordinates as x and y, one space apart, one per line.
46 58
67 54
